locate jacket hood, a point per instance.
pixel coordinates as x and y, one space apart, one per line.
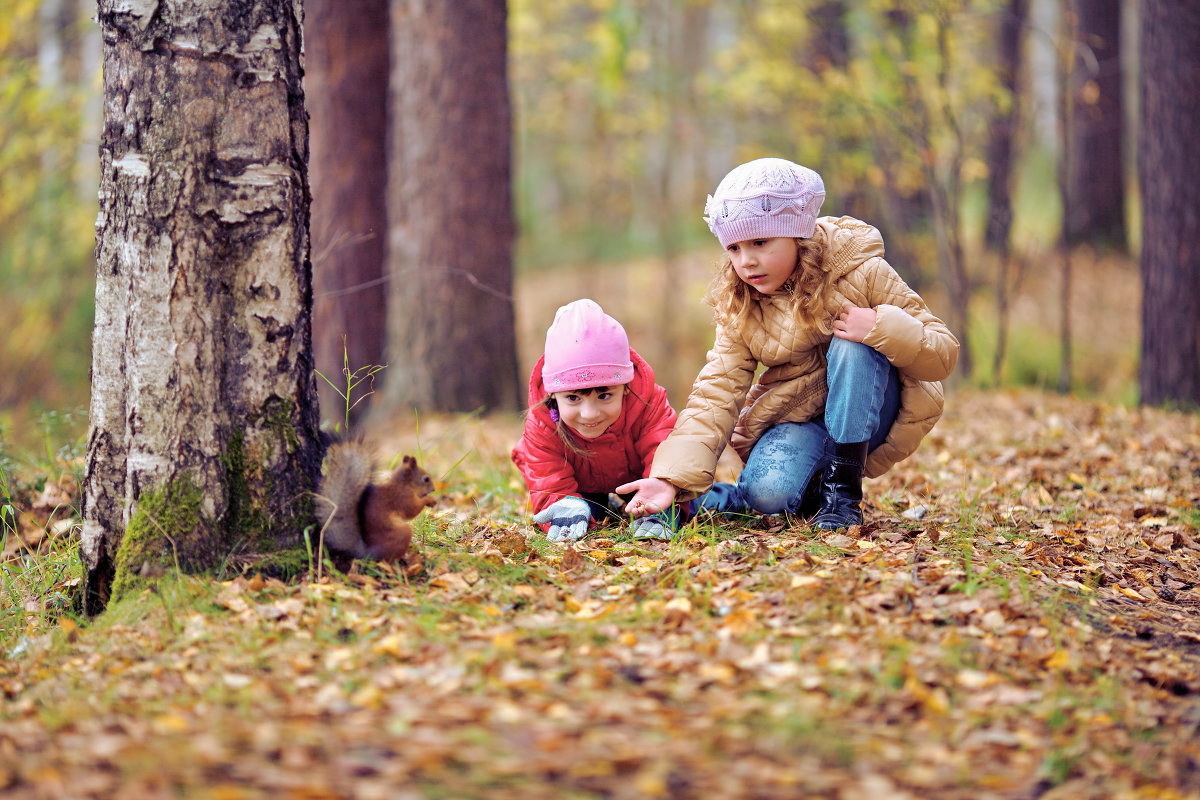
849 242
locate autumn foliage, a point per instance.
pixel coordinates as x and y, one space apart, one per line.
1017 619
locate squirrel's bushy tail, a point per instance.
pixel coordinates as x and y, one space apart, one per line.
348 471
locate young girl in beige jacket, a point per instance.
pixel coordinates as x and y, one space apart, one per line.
853 360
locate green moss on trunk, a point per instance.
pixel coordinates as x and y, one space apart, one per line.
168 531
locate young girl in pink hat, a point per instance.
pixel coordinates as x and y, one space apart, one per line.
595 418
826 366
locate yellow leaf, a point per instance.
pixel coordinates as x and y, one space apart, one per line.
740 620
450 580
1059 659
169 723
677 611
506 640
593 609
392 645
1130 593
369 696
719 672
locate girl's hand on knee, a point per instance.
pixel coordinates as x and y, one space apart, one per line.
854 323
652 496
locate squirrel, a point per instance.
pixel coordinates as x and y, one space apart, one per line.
360 518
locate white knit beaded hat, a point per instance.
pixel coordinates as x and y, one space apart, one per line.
764 198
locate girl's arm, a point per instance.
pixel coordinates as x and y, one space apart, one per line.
543 464
905 330
688 457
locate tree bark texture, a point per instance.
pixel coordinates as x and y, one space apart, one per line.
451 328
1002 138
203 412
1169 163
1097 171
346 88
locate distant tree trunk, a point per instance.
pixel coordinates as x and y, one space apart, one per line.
50 58
1001 145
682 34
1097 174
1169 163
346 85
1001 142
49 44
203 418
86 176
451 328
830 46
1066 104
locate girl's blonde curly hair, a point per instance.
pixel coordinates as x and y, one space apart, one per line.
811 290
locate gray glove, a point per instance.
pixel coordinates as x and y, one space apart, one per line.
652 527
568 519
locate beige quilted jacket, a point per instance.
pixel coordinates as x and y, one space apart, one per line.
792 387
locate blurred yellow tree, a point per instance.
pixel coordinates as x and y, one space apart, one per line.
45 224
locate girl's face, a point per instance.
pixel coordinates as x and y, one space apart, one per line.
589 412
765 264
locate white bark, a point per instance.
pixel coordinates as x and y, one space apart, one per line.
202 342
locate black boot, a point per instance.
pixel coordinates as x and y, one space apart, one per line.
841 488
812 501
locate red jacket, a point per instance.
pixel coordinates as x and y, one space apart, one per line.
621 454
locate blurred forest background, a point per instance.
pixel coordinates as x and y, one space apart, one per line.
992 142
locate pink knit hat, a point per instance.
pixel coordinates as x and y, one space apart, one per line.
765 198
585 348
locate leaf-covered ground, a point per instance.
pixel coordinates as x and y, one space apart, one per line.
1019 618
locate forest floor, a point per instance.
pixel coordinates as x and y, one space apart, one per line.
1019 618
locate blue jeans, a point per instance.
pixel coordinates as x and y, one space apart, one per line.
863 400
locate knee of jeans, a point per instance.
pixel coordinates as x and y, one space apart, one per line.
844 349
764 499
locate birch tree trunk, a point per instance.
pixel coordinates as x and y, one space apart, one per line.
203 430
451 328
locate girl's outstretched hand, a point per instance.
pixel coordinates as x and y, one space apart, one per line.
652 496
854 323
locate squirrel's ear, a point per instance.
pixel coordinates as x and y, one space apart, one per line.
407 466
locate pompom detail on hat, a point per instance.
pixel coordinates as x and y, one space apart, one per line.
585 348
765 198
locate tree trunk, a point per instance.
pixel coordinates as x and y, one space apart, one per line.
1001 145
1066 113
451 330
203 418
1001 141
830 45
346 86
1097 174
1169 163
